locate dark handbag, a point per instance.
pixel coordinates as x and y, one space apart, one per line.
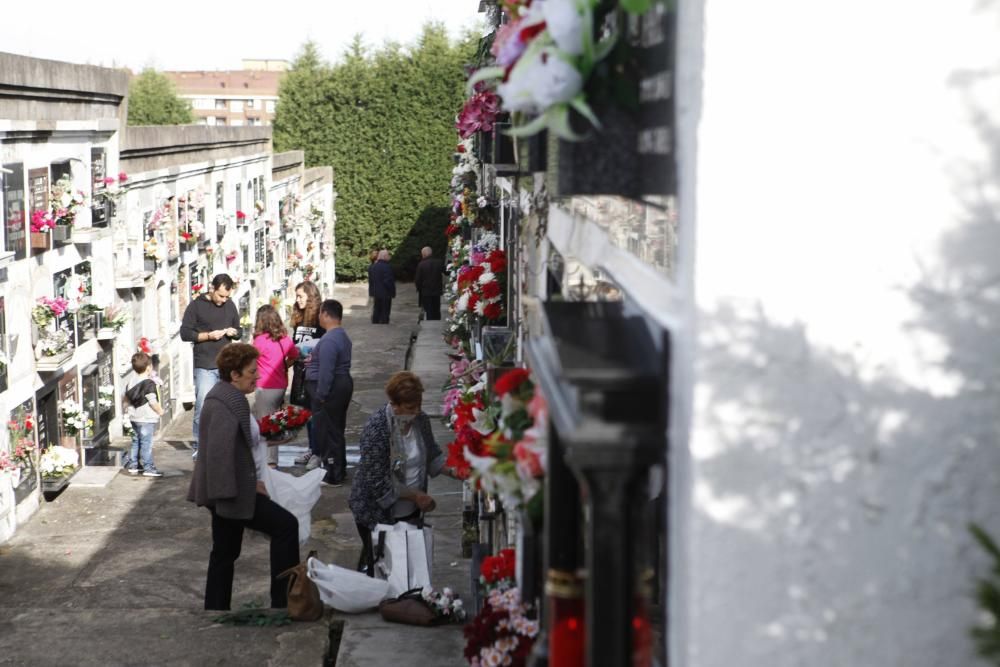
304 603
298 394
410 609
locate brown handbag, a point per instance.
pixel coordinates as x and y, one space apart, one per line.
410 609
304 603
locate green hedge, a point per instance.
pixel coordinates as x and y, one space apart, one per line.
385 121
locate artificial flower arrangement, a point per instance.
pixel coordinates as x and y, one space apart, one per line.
498 571
188 237
478 114
500 443
115 316
105 396
502 632
293 260
54 343
546 53
46 310
22 439
75 419
480 284
197 289
41 222
241 218
446 604
58 462
66 202
231 256
114 188
7 463
153 250
283 423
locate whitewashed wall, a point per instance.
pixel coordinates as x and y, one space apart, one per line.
836 424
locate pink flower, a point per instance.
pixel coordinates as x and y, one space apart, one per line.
122 177
108 180
478 114
510 43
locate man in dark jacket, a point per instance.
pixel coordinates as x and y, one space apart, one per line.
430 283
210 322
383 286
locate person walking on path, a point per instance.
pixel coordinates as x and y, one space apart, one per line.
372 258
225 481
306 332
143 410
429 280
383 286
277 354
210 322
328 379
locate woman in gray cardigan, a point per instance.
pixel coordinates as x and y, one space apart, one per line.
225 481
398 455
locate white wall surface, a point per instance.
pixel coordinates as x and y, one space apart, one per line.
838 408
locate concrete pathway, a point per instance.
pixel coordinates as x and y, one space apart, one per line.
114 575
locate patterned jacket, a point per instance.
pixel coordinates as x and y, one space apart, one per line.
372 490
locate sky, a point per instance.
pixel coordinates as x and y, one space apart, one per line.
216 34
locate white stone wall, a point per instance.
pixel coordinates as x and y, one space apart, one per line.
835 410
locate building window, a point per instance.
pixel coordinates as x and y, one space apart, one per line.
236 106
269 106
251 104
14 218
239 199
251 122
203 103
219 195
220 104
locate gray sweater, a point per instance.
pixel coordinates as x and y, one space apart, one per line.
224 474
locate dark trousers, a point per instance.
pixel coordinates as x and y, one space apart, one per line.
431 304
329 424
269 518
380 311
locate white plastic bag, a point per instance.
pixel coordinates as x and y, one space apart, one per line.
344 589
406 556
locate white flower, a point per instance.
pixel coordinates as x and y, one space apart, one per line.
463 303
486 278
539 82
480 307
564 23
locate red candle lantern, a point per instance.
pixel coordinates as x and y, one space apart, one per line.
567 630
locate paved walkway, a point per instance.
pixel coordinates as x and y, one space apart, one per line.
114 575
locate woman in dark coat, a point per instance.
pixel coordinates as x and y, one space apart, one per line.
398 456
225 481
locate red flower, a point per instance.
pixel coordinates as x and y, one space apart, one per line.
510 381
473 300
497 261
122 177
240 215
491 290
451 230
492 311
460 148
457 461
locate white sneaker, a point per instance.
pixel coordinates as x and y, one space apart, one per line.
314 462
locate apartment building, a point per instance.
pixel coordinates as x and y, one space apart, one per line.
246 97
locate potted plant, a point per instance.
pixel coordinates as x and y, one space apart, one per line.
41 227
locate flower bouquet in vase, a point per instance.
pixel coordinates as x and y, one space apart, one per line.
282 425
58 462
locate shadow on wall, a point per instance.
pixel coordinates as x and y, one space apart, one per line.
847 489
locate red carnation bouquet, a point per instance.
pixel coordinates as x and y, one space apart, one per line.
283 423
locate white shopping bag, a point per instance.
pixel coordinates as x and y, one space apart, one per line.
403 556
344 589
419 555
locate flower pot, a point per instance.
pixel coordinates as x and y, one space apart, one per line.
61 233
40 240
148 265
